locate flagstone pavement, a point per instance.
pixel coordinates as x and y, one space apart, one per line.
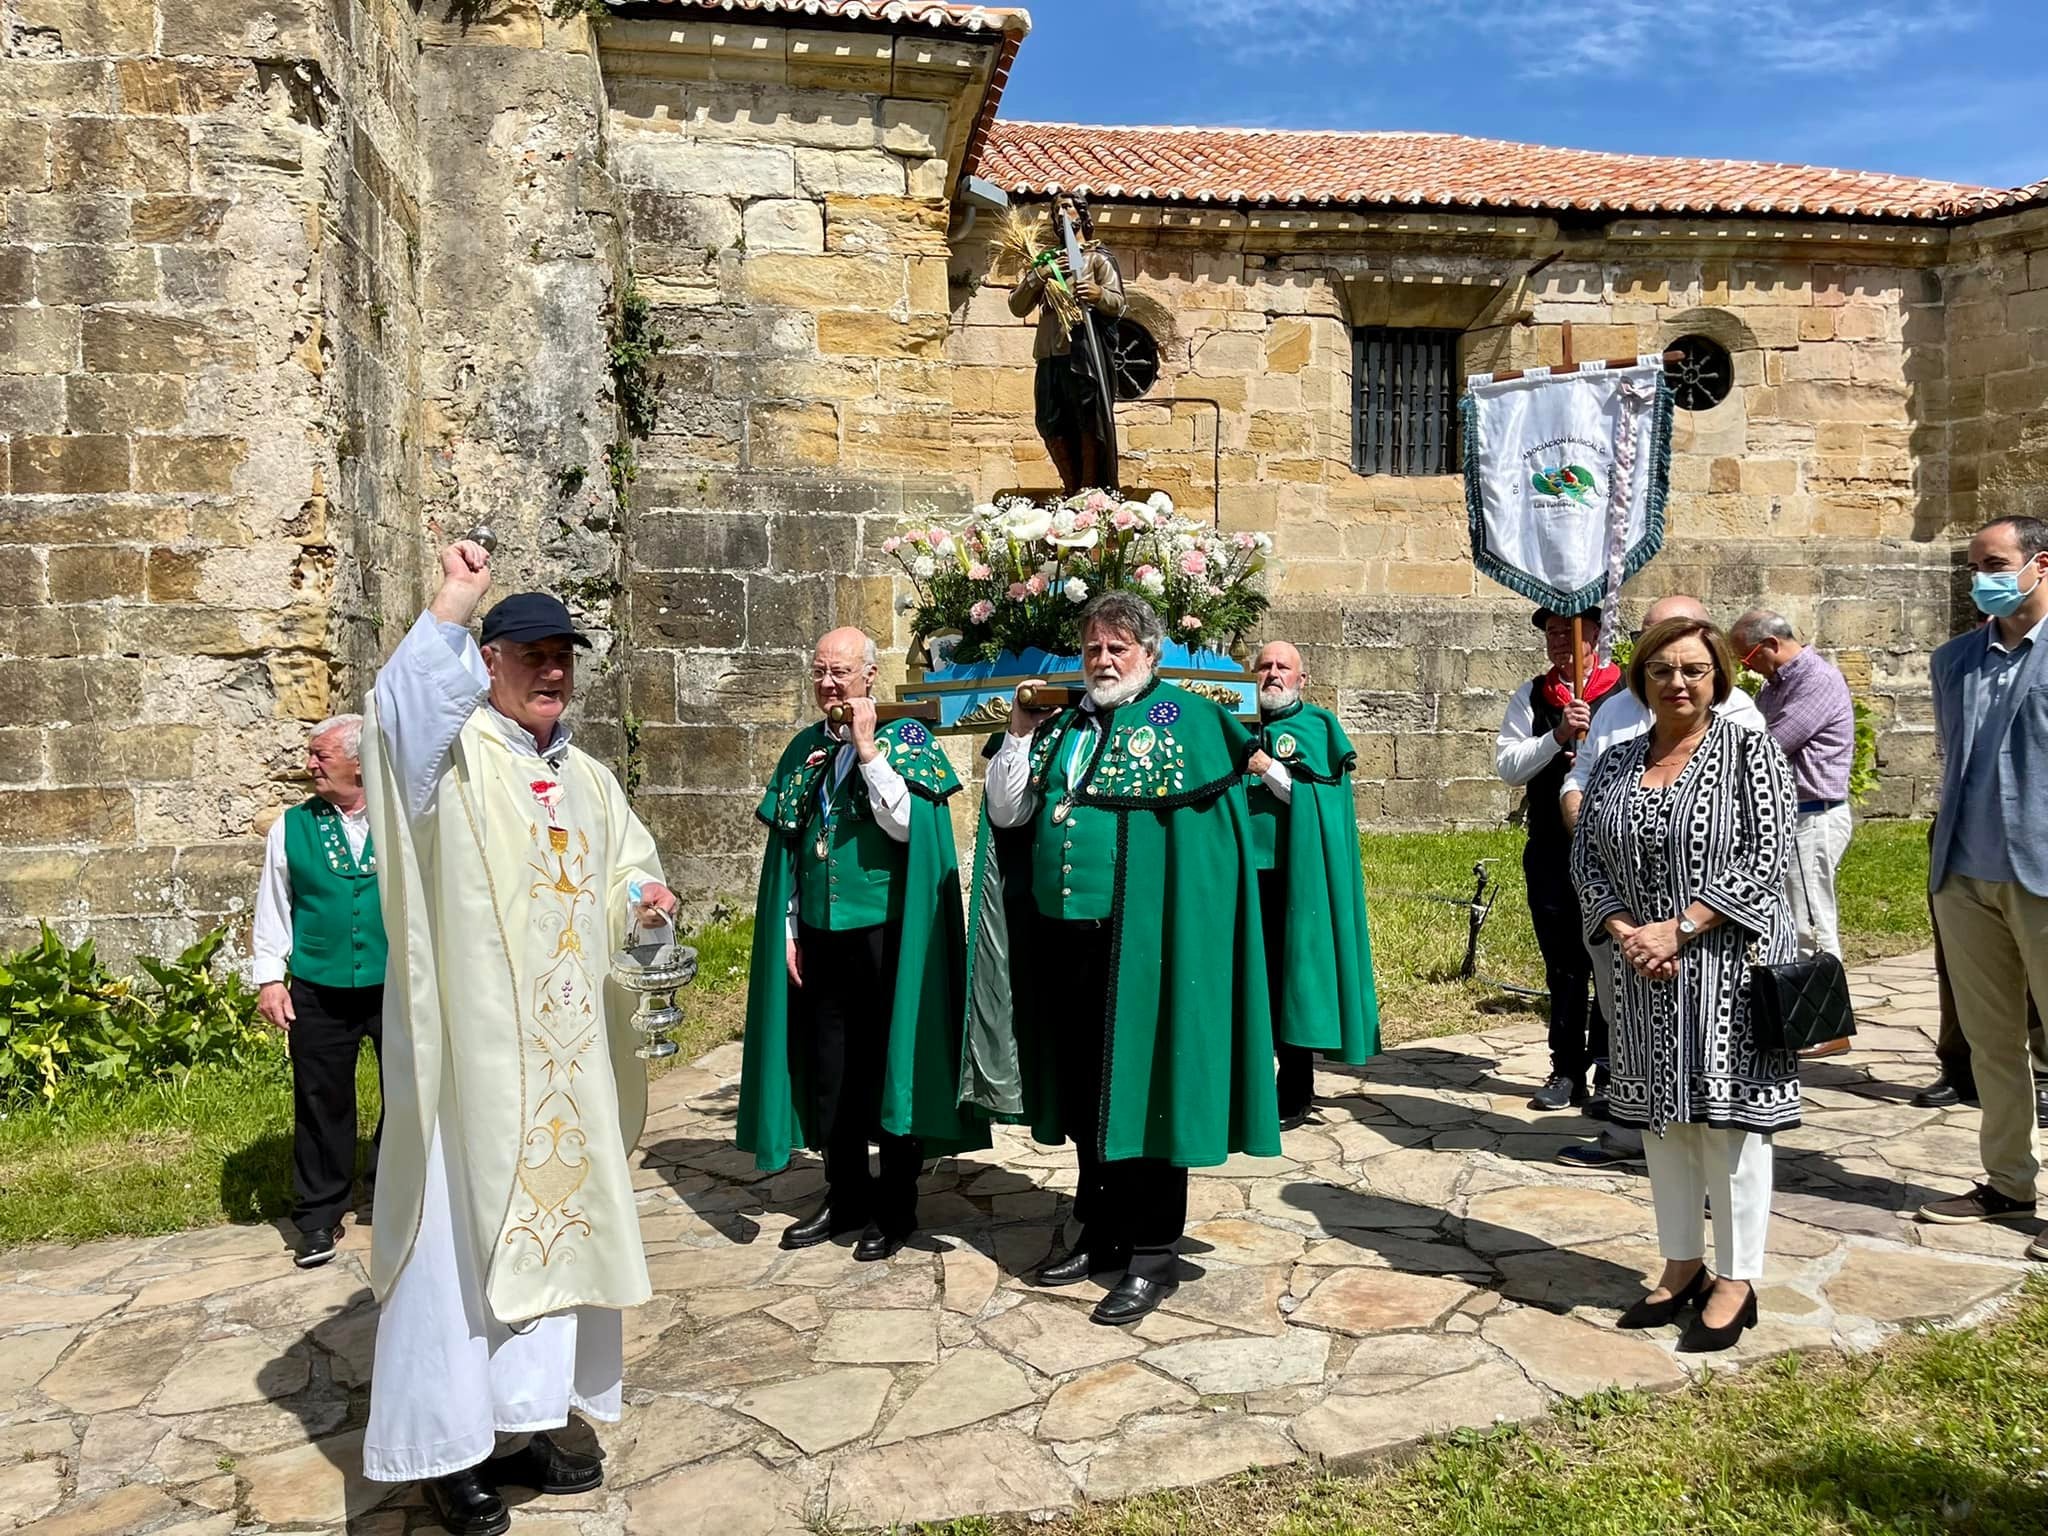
1414 1262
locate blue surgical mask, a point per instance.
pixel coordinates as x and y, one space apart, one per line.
1998 594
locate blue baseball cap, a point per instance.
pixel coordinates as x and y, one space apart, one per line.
530 616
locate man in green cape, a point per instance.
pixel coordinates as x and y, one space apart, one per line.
854 998
1117 985
1311 888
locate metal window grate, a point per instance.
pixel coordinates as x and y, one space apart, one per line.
1404 391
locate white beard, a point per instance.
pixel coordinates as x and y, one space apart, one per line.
1273 700
1122 691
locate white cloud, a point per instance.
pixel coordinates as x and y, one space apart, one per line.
1613 39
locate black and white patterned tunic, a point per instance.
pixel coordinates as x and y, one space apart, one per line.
1683 1049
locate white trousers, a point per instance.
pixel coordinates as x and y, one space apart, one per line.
1819 839
449 1378
1695 1165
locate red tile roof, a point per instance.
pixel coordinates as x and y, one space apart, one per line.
1992 203
1436 170
929 13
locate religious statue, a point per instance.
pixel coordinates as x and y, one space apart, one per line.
1075 391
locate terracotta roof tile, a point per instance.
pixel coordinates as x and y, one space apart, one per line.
1994 202
1440 170
929 13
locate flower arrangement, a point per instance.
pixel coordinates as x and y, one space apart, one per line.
1013 577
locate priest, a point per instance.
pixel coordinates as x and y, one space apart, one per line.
1117 984
853 1018
507 1239
1311 886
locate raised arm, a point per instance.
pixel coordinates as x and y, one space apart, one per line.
435 679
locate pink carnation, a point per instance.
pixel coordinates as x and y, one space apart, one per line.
978 573
891 544
1018 591
981 612
1244 541
1194 563
1097 502
1037 584
1123 521
1189 621
1085 518
1145 570
937 535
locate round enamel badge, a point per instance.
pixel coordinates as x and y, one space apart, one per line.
912 734
1143 741
1163 713
1284 745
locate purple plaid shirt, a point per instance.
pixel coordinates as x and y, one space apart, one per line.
1808 709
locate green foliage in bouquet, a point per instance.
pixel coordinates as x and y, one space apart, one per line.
1015 574
65 1021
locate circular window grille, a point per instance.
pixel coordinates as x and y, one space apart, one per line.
1134 359
1703 374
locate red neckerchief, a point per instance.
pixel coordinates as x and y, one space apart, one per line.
1558 688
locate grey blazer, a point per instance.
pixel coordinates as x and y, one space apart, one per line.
2017 732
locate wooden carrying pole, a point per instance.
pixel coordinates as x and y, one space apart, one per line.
1568 366
1045 696
926 709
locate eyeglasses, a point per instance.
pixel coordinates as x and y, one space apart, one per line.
1751 654
836 674
1692 671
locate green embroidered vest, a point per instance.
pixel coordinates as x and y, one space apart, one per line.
1073 855
859 880
337 926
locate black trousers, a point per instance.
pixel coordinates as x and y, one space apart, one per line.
842 1031
1578 1030
326 1037
1135 1206
1297 1083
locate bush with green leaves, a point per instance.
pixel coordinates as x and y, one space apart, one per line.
66 1022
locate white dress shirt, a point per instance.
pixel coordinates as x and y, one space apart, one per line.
1519 751
271 941
1626 717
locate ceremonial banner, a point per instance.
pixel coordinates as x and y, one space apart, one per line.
1565 479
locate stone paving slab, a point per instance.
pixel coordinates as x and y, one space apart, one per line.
1416 1261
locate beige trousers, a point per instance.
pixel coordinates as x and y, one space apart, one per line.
1994 936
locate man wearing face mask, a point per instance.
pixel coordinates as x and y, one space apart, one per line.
1117 982
853 1020
508 1238
1989 866
1311 887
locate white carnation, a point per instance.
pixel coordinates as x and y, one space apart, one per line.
1154 582
1161 503
924 567
1076 590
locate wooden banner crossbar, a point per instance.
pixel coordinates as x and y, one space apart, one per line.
1571 368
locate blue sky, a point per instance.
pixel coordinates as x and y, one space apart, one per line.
1947 88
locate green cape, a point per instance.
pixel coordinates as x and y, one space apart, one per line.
1326 999
1190 1070
920 1079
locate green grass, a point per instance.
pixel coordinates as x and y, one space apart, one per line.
1938 1433
1418 945
219 1148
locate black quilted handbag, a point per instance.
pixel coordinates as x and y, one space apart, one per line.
1800 1003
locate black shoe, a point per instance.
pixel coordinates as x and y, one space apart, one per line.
1133 1298
466 1505
1699 1339
1600 1155
1078 1266
316 1247
1595 1107
546 1467
876 1245
1655 1314
2041 1110
1560 1091
1945 1093
1983 1203
821 1226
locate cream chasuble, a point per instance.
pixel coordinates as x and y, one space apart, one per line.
510 897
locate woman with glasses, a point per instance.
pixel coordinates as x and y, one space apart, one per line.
1679 859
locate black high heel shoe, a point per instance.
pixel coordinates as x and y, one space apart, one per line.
1699 1339
1655 1314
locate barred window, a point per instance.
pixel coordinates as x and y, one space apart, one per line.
1404 392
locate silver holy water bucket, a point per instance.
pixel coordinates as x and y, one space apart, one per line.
655 970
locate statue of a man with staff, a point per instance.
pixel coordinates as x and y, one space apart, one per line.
1075 392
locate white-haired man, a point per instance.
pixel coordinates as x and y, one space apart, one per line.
853 1022
319 967
1117 979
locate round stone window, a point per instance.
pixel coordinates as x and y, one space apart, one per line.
1702 375
1133 359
